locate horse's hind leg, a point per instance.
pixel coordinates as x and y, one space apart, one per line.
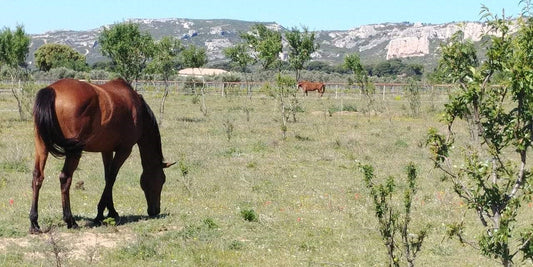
41 154
65 179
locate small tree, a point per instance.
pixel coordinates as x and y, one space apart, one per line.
281 92
14 47
240 57
352 62
50 56
194 57
266 45
390 220
301 46
492 179
128 48
413 96
165 62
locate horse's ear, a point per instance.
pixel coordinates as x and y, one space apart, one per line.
167 164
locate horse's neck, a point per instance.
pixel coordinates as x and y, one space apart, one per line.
150 150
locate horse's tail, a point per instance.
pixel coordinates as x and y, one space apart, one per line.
47 126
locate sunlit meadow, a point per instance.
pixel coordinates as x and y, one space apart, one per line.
241 195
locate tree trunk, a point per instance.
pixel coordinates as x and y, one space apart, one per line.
162 105
204 105
17 96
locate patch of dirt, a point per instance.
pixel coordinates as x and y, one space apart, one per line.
318 112
345 113
81 245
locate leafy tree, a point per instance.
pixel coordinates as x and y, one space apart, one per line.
165 62
301 46
194 57
458 60
14 47
128 48
50 56
352 62
239 56
493 179
266 44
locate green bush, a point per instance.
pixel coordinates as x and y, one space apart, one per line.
249 215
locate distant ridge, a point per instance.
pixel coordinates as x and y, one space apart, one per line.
416 42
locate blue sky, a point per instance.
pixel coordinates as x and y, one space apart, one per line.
41 16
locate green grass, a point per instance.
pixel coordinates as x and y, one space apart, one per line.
250 200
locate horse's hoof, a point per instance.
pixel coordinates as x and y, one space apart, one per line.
35 228
35 231
97 221
113 215
118 219
73 225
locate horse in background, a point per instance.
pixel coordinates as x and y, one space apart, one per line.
312 86
72 116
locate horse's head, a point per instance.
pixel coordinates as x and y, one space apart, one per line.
152 181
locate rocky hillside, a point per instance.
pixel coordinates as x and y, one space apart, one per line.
412 41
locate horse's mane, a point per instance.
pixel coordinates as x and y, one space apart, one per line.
151 121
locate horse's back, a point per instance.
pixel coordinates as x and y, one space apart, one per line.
103 117
311 86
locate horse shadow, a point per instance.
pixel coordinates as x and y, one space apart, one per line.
122 220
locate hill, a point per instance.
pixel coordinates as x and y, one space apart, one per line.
412 41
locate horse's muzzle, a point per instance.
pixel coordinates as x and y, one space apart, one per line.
153 211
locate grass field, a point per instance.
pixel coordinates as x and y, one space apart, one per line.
304 196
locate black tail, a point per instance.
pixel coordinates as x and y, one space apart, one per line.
45 120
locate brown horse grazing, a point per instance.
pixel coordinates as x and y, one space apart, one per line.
312 86
71 116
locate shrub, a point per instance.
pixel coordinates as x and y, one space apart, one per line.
249 215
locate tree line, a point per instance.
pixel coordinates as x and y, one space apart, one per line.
134 54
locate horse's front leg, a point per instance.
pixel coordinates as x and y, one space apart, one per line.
107 158
65 180
112 165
